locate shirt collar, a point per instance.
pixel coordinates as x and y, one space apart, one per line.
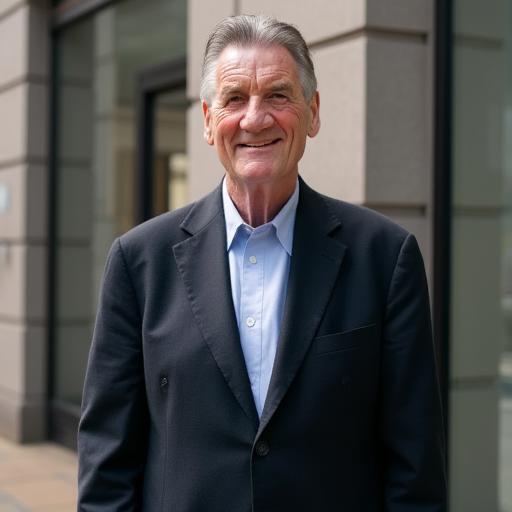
283 222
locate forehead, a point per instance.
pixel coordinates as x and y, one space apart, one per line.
255 63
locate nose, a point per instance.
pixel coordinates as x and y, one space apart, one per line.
256 117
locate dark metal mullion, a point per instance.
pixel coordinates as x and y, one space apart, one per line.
442 208
52 233
145 132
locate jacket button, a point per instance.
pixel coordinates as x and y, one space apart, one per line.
262 448
163 382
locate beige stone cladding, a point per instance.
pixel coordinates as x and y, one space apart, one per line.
23 218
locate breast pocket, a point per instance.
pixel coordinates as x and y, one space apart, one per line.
346 340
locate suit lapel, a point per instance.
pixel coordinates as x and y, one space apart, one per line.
315 264
203 264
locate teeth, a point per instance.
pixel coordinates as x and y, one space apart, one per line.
257 145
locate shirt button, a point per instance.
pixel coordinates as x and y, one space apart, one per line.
250 321
262 448
253 259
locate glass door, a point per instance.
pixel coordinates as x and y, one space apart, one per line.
98 185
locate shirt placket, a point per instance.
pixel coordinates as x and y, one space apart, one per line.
251 310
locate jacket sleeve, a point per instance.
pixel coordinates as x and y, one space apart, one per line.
113 427
411 425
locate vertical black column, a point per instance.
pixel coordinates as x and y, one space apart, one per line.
144 169
442 207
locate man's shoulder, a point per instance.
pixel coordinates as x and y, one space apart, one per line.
372 239
168 228
355 219
359 215
157 229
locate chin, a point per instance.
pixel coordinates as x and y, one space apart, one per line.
256 174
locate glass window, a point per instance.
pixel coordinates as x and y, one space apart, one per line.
98 62
481 315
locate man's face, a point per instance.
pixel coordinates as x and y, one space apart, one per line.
259 118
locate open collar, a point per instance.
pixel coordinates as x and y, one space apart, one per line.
283 222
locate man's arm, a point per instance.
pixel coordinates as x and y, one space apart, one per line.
411 423
113 428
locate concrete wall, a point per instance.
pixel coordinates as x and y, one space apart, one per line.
23 214
373 64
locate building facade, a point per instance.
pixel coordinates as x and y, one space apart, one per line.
101 128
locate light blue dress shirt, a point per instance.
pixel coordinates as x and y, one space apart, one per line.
259 264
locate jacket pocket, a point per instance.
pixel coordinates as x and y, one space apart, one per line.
346 340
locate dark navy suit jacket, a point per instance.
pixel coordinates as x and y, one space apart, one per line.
352 420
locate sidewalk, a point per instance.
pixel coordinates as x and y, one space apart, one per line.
37 478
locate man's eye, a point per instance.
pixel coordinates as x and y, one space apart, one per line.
278 96
234 99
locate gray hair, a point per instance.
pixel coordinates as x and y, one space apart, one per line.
248 30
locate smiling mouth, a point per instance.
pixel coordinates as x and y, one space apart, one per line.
260 144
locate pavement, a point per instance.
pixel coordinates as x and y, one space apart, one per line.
37 478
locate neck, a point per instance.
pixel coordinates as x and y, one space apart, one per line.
259 203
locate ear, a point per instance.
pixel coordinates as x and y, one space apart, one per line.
314 105
208 134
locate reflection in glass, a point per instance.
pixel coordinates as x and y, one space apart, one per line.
505 374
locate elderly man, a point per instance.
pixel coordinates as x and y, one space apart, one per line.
266 348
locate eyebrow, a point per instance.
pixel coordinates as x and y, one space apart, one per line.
283 86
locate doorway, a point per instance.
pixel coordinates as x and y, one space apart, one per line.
162 161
